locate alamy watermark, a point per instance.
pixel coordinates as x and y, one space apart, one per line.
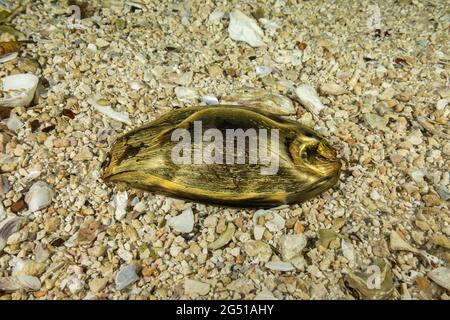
374 280
74 20
234 146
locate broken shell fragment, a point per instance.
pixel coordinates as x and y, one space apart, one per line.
10 227
182 223
441 276
274 103
39 196
309 98
280 266
224 238
374 283
23 282
19 90
244 28
108 111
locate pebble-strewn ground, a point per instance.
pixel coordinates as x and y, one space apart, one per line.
385 93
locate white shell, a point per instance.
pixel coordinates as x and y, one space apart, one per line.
39 196
280 266
8 57
27 283
210 100
14 122
183 222
184 93
263 71
126 276
120 202
308 97
109 112
441 276
21 88
244 28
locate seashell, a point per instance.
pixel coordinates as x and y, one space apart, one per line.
264 295
270 102
280 266
8 57
39 196
126 276
120 202
224 238
309 98
184 93
145 158
210 100
14 122
10 227
215 16
244 28
182 223
374 283
108 111
263 71
24 282
20 89
441 276
136 85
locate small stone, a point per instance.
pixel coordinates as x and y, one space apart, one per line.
51 224
194 287
376 122
258 249
98 284
258 232
441 240
31 268
83 155
415 138
18 206
126 276
432 200
101 43
292 245
210 222
183 223
264 295
374 195
332 89
387 94
243 286
422 282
